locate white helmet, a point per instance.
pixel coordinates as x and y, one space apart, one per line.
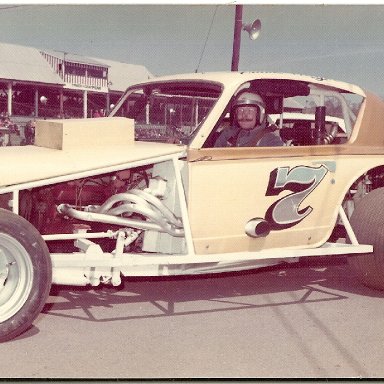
251 99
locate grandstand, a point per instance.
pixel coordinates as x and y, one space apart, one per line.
37 83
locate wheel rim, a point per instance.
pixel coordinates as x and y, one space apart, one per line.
16 276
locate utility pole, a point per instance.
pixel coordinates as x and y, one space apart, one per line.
237 37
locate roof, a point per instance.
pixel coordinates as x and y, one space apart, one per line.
26 64
235 78
123 75
74 58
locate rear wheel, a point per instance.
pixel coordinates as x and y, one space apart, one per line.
25 274
367 222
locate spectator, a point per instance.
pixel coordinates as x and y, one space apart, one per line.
7 127
99 113
29 132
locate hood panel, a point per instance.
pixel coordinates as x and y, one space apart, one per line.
32 163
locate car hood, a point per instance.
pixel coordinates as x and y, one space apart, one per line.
20 165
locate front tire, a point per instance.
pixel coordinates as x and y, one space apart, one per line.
367 222
25 274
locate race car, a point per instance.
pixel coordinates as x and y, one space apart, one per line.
145 191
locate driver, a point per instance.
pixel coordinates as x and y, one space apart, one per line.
250 127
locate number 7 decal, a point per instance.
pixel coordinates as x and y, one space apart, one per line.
301 181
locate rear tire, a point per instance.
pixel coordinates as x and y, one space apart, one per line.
367 222
25 274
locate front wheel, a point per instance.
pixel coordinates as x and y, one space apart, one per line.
367 222
25 274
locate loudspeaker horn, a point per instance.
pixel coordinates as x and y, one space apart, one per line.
253 29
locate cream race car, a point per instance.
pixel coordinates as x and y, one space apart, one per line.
145 192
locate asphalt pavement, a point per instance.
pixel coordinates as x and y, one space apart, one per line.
306 320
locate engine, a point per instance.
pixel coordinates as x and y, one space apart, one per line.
131 199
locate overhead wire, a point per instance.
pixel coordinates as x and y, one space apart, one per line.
10 7
206 40
6 7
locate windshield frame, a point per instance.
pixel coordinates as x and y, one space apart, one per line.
183 88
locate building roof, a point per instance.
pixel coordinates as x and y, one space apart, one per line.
74 58
26 64
123 75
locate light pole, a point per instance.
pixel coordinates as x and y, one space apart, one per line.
252 29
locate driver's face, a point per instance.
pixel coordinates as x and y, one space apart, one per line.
246 117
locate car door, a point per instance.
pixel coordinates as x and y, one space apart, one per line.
295 192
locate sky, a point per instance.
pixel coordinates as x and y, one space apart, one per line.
338 41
